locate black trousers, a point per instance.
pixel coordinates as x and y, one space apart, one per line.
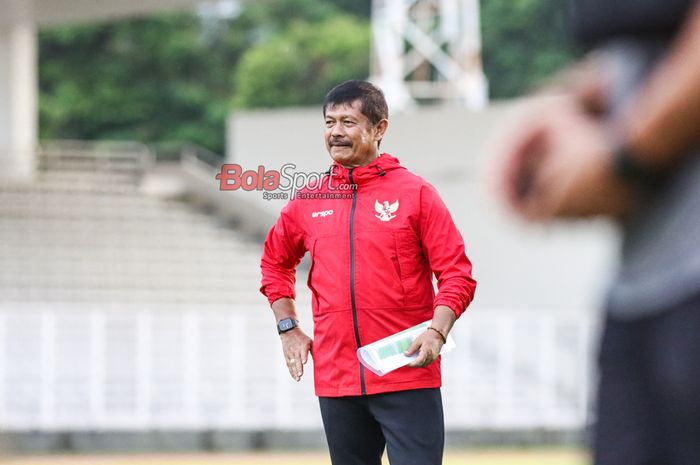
648 410
410 424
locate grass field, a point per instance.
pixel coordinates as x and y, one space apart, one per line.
475 457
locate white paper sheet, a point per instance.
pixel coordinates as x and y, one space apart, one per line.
385 355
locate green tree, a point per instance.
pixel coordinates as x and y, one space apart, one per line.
524 42
143 79
299 65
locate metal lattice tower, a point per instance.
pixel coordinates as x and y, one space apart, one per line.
428 51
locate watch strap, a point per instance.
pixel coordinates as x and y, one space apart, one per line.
630 170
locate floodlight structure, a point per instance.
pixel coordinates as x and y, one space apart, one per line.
428 51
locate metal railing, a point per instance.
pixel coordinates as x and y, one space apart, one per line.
201 157
106 157
82 367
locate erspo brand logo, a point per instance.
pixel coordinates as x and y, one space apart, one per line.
283 184
322 214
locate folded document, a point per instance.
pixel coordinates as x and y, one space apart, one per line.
386 354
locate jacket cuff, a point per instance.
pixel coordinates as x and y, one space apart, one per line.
453 304
277 294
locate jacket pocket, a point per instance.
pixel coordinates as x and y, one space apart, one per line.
329 275
377 270
416 277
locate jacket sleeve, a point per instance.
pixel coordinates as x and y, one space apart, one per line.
443 246
282 252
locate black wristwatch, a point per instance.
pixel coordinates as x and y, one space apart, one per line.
628 169
286 324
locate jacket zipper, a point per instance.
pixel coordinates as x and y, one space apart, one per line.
352 280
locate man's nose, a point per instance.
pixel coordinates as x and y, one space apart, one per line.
337 130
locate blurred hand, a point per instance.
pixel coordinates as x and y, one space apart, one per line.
296 347
558 164
586 81
428 346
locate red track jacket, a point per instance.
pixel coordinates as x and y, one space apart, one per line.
373 254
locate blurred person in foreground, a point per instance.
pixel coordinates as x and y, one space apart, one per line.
620 137
373 252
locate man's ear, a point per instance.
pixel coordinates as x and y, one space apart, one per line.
380 128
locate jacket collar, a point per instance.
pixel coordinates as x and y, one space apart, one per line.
376 169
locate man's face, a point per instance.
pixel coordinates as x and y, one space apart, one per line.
351 140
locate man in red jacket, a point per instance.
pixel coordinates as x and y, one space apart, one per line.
376 234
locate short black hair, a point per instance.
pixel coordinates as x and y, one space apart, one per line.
372 102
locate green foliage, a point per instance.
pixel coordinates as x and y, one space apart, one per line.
170 77
300 65
175 77
524 42
144 79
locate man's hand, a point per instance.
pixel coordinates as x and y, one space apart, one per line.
559 165
295 344
428 346
296 347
